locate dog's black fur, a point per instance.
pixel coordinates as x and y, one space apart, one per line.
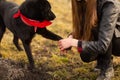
33 9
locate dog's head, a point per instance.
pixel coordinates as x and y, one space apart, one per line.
37 10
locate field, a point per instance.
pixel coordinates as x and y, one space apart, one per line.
51 64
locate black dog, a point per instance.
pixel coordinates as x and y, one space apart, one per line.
37 11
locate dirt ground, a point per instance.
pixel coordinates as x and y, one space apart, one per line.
10 70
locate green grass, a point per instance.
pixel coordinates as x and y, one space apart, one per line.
47 54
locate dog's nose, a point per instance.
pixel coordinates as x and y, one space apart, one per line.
51 16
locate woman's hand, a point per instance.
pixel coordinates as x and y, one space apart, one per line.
67 43
70 36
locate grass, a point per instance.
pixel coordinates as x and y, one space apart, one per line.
47 54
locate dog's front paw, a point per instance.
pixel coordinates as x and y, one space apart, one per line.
68 48
30 68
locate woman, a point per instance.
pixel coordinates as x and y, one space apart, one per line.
94 24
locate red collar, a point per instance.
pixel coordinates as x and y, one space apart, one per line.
30 22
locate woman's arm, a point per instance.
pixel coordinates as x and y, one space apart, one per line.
106 30
105 35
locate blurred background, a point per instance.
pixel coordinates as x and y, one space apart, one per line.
47 56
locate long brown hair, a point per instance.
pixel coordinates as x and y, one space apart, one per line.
82 27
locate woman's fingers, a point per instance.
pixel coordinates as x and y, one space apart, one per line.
64 43
61 45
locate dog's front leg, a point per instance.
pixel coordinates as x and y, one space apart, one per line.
48 34
27 48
